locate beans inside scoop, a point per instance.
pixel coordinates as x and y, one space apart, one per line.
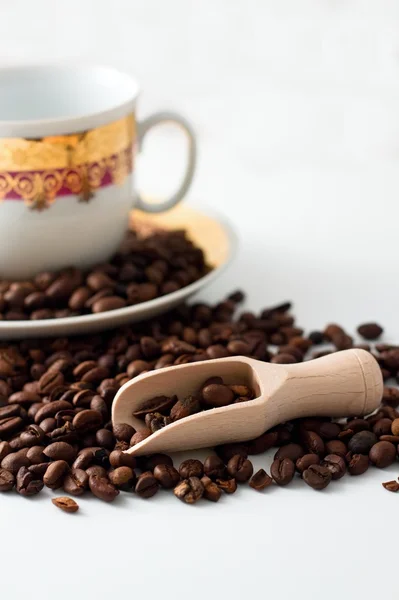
160 411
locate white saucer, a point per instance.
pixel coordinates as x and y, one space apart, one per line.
211 233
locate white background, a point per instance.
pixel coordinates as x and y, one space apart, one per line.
296 108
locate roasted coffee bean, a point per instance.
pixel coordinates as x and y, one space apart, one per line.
50 381
313 443
317 476
228 486
117 458
362 442
391 486
189 490
76 482
292 451
39 469
382 427
105 438
36 455
84 459
358 464
395 427
15 461
150 462
191 468
305 461
102 488
389 438
370 331
87 420
124 478
55 474
391 396
26 484
161 404
212 491
335 464
262 443
227 451
260 480
357 425
50 409
240 468
215 395
382 454
65 504
185 407
10 425
139 436
7 480
147 485
123 432
214 467
329 431
96 470
282 471
60 451
166 475
5 449
336 447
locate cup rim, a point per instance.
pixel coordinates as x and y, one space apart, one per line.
70 124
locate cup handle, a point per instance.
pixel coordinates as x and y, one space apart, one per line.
146 125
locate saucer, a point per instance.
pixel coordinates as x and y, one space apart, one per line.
208 231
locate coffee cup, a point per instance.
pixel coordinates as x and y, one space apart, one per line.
69 137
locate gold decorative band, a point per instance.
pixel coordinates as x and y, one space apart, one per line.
70 164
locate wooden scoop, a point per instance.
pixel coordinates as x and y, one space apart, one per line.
343 384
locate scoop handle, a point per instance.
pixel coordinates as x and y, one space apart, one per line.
343 384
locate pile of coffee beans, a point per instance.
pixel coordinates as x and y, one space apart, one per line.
56 396
142 269
160 411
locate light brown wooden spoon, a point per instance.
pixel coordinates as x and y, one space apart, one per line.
342 384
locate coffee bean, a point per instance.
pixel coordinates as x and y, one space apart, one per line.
102 488
282 471
10 425
97 471
166 475
329 431
60 451
65 504
39 469
26 484
395 427
7 480
317 476
117 458
139 436
150 462
161 404
263 443
124 478
5 449
76 482
55 474
382 427
370 331
358 464
240 468
123 431
87 420
391 396
382 454
336 447
147 485
211 491
357 425
362 442
335 464
36 455
260 480
189 490
15 461
191 468
215 395
389 438
305 461
228 486
50 381
185 407
105 438
292 451
313 443
391 486
214 467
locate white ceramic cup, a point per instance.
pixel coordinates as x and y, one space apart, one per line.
68 138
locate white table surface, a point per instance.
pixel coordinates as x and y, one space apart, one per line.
296 108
